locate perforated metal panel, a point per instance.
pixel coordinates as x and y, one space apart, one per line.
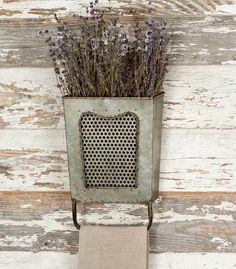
109 148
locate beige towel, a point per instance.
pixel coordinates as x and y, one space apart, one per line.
113 247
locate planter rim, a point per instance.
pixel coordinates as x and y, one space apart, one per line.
124 98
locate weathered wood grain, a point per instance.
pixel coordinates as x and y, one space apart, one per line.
38 9
29 98
192 260
42 260
195 41
45 260
37 156
46 169
192 159
173 8
183 222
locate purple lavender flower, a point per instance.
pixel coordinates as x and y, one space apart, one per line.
103 57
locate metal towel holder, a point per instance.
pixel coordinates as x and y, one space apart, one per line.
113 147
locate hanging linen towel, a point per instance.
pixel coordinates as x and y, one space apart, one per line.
113 247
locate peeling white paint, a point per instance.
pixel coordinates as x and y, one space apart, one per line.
229 9
193 261
44 8
211 168
23 241
34 93
222 29
178 33
26 139
224 205
203 52
222 243
56 221
233 62
26 206
115 214
224 49
197 104
6 53
171 217
45 260
192 208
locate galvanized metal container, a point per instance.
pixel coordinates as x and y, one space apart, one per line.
114 148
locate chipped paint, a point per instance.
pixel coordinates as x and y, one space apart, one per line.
30 99
204 52
40 161
29 259
23 241
35 9
192 260
56 221
115 214
45 259
9 55
196 217
222 29
230 62
221 243
229 9
23 8
200 99
26 206
33 52
34 169
171 216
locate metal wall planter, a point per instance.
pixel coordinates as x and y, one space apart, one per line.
113 148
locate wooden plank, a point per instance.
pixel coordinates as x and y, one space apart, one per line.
192 159
183 222
196 41
175 8
45 260
38 9
195 98
22 260
198 97
30 99
192 260
37 162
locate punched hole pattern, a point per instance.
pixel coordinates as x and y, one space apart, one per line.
109 146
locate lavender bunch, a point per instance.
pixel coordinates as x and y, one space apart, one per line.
108 59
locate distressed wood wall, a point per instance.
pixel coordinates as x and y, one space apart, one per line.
195 216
